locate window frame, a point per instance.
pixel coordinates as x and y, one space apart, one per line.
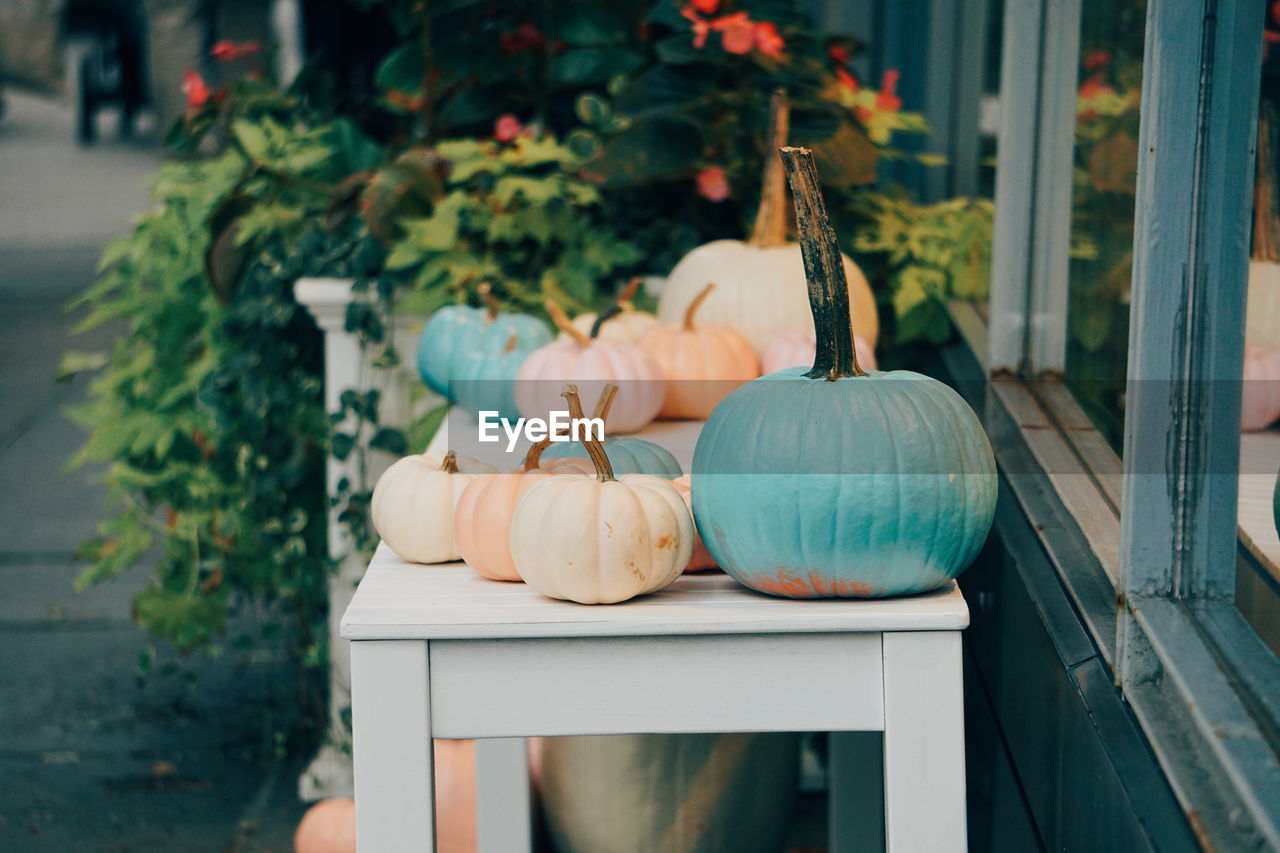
1159 607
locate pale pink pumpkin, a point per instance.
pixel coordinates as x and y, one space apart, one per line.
482 521
328 827
702 364
627 325
796 349
1260 393
590 363
701 559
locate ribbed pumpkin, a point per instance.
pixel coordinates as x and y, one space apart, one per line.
482 522
797 349
600 540
760 283
625 324
1262 315
1260 392
701 559
414 501
626 455
471 355
701 363
591 363
836 482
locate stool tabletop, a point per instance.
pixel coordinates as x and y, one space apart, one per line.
397 600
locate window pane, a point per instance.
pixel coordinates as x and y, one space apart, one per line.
1258 577
1105 166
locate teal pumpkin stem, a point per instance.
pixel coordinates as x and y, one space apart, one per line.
835 357
605 316
604 470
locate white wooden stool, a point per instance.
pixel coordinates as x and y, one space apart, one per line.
440 652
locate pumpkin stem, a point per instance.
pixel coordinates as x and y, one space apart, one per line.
511 344
628 293
604 471
770 228
605 403
534 456
695 305
605 316
562 323
490 301
824 269
450 465
1266 240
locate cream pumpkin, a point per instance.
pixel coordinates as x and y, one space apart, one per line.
600 540
761 288
701 363
483 519
701 558
592 363
414 501
626 325
797 349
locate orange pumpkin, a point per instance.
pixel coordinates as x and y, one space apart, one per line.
483 517
328 827
626 325
701 558
701 364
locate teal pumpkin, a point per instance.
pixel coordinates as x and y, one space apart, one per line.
832 481
627 455
471 355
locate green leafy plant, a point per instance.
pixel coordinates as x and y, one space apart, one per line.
930 254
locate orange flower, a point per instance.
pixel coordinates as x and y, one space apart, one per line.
888 99
768 41
230 51
706 7
737 33
844 78
507 128
712 184
196 91
1095 60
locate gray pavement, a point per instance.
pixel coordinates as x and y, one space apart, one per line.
92 756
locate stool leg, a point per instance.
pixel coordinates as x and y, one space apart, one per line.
503 807
924 742
391 742
855 792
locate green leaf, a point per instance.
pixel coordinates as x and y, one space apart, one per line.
591 109
75 362
589 25
658 148
401 70
252 139
666 87
595 64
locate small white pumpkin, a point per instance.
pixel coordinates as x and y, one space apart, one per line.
627 325
600 540
761 290
414 502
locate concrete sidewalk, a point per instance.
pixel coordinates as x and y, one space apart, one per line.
92 757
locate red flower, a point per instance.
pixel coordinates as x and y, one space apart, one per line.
844 78
196 91
698 27
1275 11
1095 60
1095 85
526 37
737 33
230 51
768 41
507 128
712 184
706 7
888 99
839 54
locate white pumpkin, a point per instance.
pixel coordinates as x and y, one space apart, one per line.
600 540
414 502
627 325
761 289
1262 318
1260 391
